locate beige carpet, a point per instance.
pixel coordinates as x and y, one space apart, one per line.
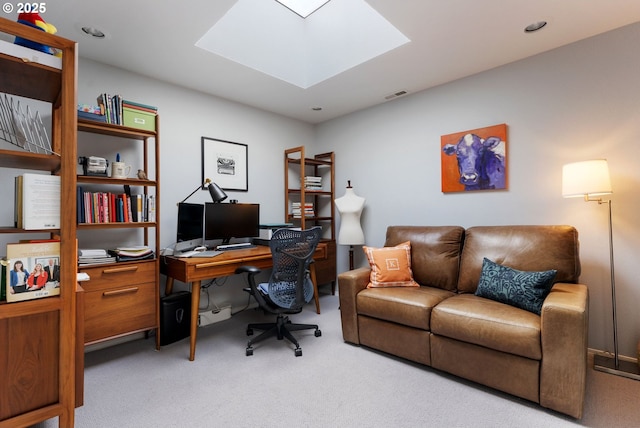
333 384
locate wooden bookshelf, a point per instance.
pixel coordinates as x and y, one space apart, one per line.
40 369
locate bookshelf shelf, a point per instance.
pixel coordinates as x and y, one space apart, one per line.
117 181
110 129
30 307
115 225
26 160
36 81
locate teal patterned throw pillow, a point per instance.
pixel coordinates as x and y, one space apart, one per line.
524 290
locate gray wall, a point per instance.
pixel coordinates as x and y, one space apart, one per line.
575 103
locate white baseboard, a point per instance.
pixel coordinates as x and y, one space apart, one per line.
610 354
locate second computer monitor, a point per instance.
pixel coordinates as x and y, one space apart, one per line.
190 231
231 221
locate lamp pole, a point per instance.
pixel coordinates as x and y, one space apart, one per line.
601 362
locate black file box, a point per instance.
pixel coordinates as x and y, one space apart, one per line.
175 317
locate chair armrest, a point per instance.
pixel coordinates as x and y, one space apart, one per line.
564 330
350 283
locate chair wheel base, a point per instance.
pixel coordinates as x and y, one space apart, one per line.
249 352
249 332
317 333
298 352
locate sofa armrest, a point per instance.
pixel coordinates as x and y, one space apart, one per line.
564 330
350 283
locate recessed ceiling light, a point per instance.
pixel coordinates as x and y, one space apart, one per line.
316 108
303 8
93 32
535 26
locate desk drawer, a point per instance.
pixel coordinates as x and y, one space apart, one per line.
102 277
119 310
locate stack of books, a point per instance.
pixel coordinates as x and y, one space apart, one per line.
93 256
312 183
297 209
126 254
139 107
112 107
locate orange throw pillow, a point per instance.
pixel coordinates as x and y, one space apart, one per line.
390 266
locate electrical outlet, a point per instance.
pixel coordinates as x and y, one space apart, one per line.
210 317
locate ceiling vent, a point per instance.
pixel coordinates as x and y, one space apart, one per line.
395 95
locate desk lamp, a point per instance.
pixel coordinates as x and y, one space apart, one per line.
217 194
587 179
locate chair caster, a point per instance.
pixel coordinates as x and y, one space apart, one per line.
298 352
249 351
317 333
249 332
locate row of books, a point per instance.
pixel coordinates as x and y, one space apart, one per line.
91 256
297 209
107 207
110 109
312 183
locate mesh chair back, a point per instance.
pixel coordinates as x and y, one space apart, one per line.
292 250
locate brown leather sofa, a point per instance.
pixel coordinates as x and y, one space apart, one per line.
443 324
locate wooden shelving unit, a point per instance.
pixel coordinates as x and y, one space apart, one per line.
125 296
296 167
40 369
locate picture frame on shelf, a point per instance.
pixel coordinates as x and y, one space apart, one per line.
30 275
225 163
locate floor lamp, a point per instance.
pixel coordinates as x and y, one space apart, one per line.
588 179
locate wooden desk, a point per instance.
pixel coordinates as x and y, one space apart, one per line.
194 269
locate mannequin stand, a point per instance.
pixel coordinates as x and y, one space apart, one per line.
350 257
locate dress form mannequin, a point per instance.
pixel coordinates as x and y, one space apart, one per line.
350 208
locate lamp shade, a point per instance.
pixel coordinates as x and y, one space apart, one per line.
586 178
217 194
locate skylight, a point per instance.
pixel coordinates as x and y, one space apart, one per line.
267 37
303 8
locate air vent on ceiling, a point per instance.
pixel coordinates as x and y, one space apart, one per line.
395 95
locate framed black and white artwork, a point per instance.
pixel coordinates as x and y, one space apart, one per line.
225 163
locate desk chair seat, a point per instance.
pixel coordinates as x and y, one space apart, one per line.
289 287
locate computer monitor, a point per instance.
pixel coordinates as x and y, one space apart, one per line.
190 233
228 221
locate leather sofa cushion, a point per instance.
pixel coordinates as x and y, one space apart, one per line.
526 248
435 253
490 324
409 306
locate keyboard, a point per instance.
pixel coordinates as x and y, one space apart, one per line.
195 253
208 253
186 253
240 246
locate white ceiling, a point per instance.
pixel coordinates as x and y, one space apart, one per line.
449 39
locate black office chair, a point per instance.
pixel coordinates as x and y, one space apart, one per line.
289 286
